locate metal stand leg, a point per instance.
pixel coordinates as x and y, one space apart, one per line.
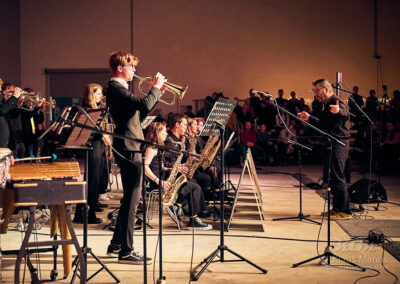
300 216
222 247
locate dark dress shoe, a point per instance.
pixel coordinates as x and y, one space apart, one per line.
101 205
92 218
78 218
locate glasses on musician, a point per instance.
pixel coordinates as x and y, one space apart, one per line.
130 67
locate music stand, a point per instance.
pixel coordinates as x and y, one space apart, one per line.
215 124
147 121
79 139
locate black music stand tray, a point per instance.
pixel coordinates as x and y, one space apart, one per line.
78 140
215 124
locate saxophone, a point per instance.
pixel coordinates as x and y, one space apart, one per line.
210 150
191 160
169 196
193 163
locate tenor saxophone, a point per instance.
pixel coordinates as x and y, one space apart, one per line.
211 151
169 196
204 156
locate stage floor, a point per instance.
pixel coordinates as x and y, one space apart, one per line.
272 245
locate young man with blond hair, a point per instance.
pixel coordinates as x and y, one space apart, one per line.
127 111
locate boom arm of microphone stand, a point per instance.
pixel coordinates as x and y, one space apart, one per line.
327 135
297 144
140 141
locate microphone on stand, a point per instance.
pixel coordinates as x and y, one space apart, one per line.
262 94
63 119
219 123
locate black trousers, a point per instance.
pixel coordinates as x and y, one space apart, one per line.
337 177
204 180
131 176
96 165
95 176
192 193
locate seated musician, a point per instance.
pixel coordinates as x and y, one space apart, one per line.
97 162
197 203
192 145
214 170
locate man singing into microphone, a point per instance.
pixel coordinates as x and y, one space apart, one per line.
127 111
333 120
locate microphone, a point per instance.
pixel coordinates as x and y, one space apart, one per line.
219 123
262 94
336 85
63 119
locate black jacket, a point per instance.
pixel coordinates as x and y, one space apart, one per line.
334 124
5 107
127 111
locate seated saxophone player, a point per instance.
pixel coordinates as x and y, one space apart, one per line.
214 170
201 177
196 204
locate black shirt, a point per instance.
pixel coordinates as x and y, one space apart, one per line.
334 124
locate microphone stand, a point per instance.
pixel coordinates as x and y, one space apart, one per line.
300 216
348 94
378 182
328 250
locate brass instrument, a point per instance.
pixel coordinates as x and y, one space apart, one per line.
169 197
47 106
176 90
192 149
211 151
29 100
205 159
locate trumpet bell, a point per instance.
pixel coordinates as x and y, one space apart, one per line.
176 90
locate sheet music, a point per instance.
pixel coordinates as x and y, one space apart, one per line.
80 136
147 121
220 113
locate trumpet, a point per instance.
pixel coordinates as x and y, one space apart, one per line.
30 100
176 90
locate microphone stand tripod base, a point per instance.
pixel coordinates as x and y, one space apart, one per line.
327 255
219 252
299 217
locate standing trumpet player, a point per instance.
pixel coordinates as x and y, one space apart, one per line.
127 111
5 106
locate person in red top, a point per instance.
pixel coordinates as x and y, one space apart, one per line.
248 138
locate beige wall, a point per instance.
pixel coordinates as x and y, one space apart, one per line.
70 34
234 45
224 45
10 70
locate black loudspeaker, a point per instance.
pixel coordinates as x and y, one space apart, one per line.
358 191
